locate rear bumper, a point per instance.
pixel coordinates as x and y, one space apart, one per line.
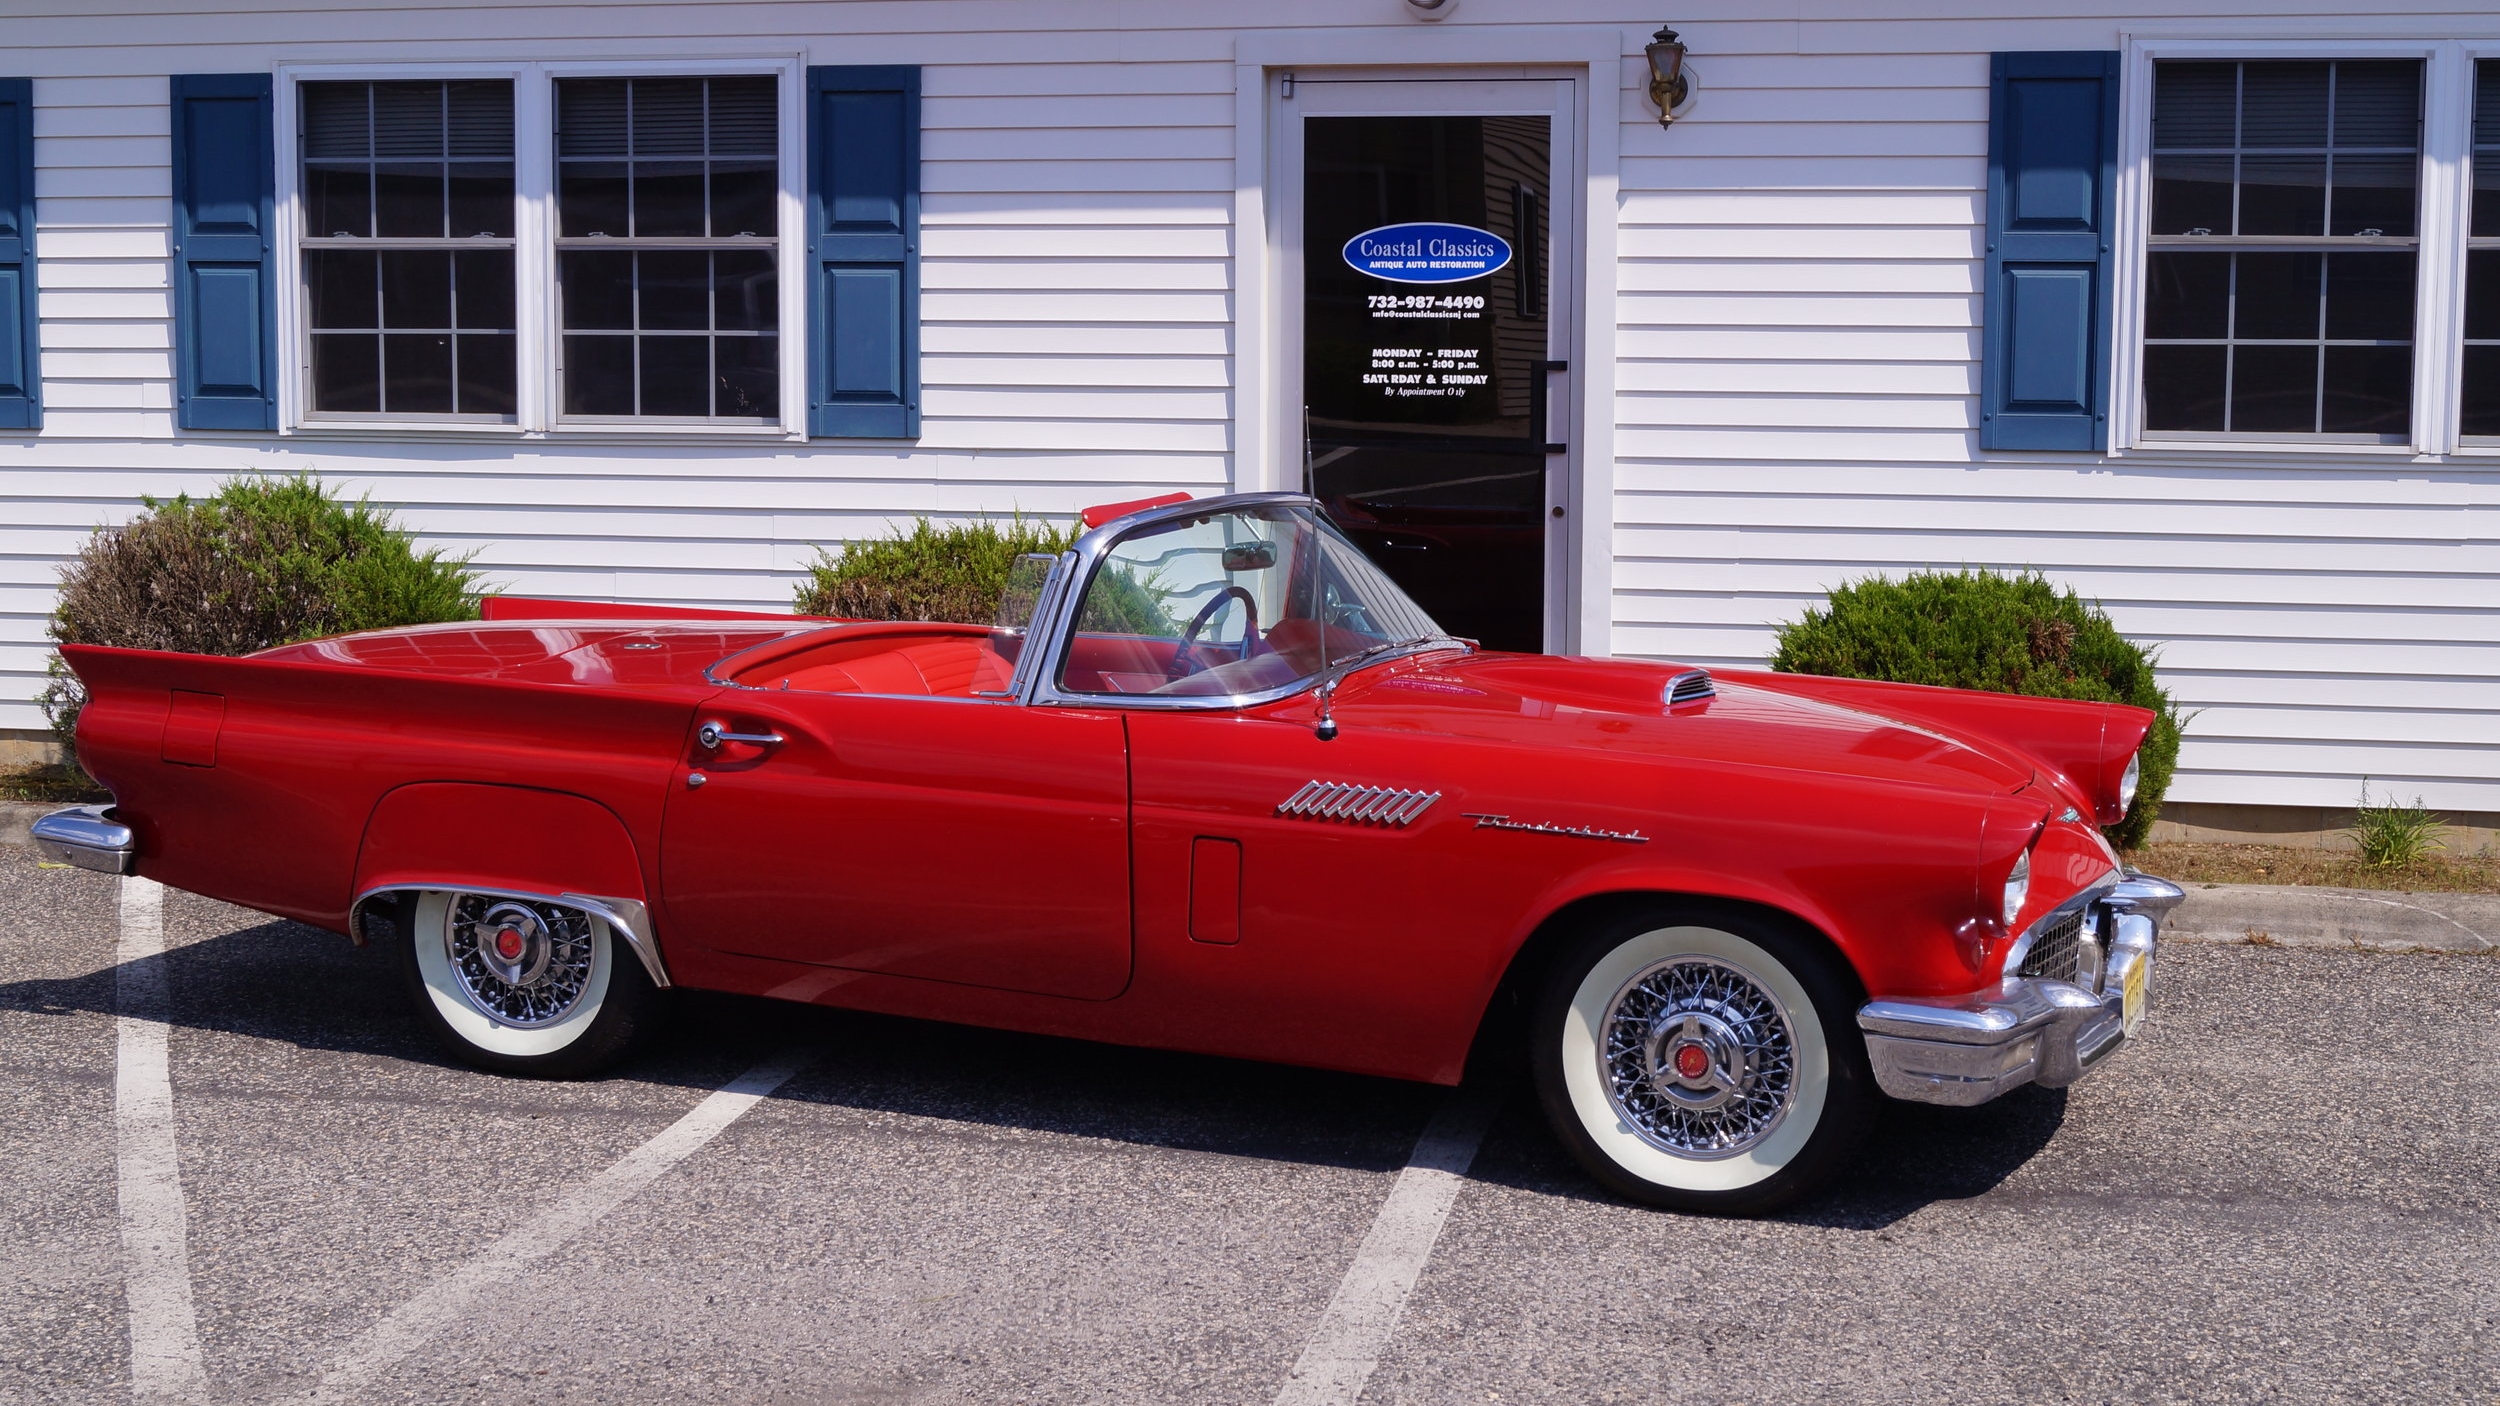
2026 1030
88 837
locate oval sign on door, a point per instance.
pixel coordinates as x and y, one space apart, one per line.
1427 252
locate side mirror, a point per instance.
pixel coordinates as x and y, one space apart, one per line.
1250 556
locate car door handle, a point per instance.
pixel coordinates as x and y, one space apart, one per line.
711 735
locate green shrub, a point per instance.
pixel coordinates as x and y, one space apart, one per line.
955 573
263 562
2008 634
2392 836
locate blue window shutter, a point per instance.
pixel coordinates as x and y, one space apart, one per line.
225 298
863 251
21 368
2052 158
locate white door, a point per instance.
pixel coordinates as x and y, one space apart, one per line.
1429 241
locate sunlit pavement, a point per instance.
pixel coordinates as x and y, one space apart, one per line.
2285 1191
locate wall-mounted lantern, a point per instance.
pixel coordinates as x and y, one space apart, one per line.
1673 85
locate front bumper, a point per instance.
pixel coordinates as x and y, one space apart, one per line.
2033 1029
88 837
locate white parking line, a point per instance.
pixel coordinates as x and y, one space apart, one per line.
448 1298
1347 1344
156 1256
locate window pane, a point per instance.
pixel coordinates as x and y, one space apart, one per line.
676 290
590 117
2283 195
2183 387
2482 390
2196 104
750 376
2378 103
347 371
598 288
747 291
483 282
668 199
2192 194
2274 389
2374 195
598 375
416 288
340 287
743 198
2187 295
2487 194
2369 390
2369 297
2277 295
480 116
416 374
338 200
676 375
408 201
337 120
590 196
487 374
668 116
481 199
2283 104
746 118
408 119
2482 295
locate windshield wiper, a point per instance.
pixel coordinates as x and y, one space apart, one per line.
1326 727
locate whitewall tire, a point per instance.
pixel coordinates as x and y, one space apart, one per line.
523 985
1705 1059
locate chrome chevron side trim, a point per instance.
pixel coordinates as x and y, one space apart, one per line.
1357 805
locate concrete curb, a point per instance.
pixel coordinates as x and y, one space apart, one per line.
2364 920
2258 914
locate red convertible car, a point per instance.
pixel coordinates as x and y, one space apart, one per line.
1212 783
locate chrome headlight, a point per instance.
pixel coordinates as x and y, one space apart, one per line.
2127 781
2017 888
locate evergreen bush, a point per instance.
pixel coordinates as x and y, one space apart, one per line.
263 562
957 572
1986 630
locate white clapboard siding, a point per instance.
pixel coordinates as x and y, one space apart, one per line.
1795 324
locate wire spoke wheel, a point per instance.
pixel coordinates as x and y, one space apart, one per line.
1699 1059
521 964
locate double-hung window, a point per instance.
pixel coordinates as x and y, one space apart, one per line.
2479 403
2284 249
544 248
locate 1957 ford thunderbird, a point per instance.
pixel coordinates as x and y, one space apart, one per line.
1211 783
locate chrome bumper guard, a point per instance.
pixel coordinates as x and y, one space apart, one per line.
1966 1050
88 837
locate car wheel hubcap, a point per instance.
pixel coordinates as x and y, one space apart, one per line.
522 964
1699 1059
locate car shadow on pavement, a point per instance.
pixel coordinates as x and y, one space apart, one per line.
255 982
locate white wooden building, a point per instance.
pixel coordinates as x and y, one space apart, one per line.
1785 341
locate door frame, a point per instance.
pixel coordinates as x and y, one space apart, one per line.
1596 59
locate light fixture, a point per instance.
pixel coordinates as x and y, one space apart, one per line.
1673 85
1430 9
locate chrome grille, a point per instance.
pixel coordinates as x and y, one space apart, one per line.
1357 805
1691 686
2053 947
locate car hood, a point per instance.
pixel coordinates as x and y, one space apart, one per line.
1615 706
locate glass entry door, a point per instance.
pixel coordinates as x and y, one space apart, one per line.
1431 310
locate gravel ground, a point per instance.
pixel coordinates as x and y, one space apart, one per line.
2285 1192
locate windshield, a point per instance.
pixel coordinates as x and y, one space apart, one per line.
1244 600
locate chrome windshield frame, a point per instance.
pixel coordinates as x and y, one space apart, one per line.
1054 618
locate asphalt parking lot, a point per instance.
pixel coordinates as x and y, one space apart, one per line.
2287 1191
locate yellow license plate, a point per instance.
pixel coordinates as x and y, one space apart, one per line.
2131 1008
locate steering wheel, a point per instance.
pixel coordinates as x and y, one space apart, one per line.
1188 651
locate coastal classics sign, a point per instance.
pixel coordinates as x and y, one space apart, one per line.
1427 252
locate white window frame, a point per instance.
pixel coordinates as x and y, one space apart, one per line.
534 259
2439 301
